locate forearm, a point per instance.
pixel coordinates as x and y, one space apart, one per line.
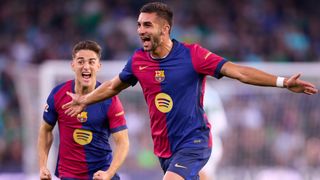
250 75
256 77
44 143
104 91
120 154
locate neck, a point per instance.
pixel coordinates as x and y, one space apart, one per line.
163 50
82 90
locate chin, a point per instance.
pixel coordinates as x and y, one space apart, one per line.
86 84
146 49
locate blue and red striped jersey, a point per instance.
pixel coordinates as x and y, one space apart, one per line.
84 147
173 88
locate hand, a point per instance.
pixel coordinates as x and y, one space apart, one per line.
296 85
75 106
102 175
45 174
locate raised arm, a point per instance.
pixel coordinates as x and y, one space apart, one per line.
104 91
45 139
257 77
120 153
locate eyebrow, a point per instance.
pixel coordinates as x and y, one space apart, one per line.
82 58
144 22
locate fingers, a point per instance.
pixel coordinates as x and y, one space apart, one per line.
69 94
67 105
306 84
69 111
45 175
310 90
296 76
72 112
97 175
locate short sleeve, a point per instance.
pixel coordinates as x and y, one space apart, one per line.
206 62
126 75
50 114
116 115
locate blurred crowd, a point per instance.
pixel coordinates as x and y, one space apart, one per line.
10 125
33 31
281 130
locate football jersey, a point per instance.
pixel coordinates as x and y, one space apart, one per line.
173 88
84 147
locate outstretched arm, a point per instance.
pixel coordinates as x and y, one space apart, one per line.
105 91
120 153
257 77
45 139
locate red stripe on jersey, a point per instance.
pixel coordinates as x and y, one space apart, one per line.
116 113
69 150
203 60
144 68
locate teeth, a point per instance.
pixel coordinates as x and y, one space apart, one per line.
86 75
145 38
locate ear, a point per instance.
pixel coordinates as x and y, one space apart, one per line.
99 66
166 28
72 65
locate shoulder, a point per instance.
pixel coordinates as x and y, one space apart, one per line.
193 46
139 53
61 86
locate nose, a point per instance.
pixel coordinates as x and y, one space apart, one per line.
140 30
86 65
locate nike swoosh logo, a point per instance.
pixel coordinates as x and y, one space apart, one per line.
179 166
142 67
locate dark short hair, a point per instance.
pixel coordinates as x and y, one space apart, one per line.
162 10
87 45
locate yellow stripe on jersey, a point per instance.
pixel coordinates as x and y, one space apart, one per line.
208 54
120 113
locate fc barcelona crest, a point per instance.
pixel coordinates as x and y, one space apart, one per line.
82 117
159 75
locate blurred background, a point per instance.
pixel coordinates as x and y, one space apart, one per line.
270 132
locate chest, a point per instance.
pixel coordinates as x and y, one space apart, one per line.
93 117
172 72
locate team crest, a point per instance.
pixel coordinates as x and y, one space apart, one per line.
82 117
159 75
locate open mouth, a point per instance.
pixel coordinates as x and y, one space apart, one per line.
145 39
86 75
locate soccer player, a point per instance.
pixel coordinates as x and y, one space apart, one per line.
84 150
172 76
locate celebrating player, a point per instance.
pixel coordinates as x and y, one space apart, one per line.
172 76
84 150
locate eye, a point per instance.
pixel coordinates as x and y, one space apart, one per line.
147 24
92 62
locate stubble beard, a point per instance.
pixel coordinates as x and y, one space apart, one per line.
155 43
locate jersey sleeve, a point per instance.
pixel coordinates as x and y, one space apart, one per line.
50 114
126 75
116 115
206 62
